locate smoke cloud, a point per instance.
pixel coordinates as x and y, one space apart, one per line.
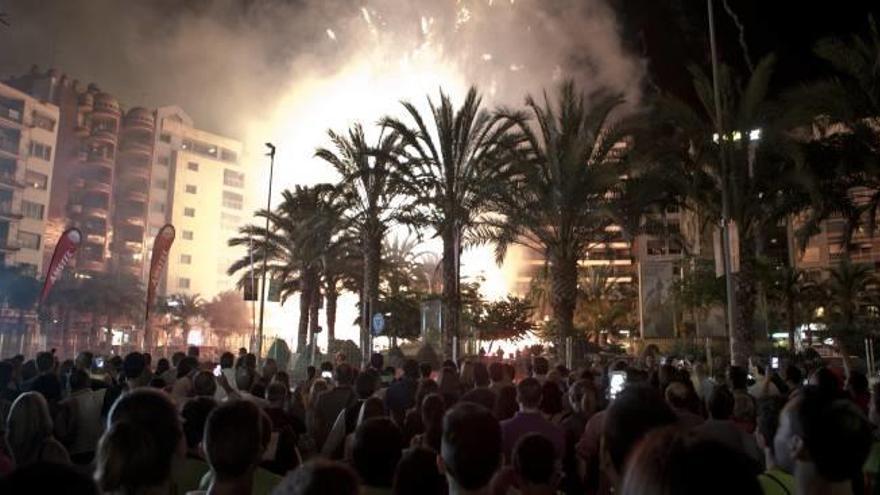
230 62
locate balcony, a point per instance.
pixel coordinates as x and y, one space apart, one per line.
6 211
97 186
9 245
94 211
103 135
135 195
7 178
137 147
90 265
136 172
8 147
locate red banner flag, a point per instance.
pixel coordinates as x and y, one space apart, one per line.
64 251
161 247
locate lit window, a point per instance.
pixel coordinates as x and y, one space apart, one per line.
190 189
183 283
36 180
193 166
189 212
187 235
185 259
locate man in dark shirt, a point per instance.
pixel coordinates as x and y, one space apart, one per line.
530 420
46 382
329 404
401 394
481 394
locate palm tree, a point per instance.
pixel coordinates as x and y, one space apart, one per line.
373 200
794 293
558 204
844 163
303 230
848 290
605 304
183 309
756 172
447 165
19 291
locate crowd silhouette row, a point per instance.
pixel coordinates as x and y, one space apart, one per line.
130 426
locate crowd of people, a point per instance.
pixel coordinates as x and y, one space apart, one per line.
126 425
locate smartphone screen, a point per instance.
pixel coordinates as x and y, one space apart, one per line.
217 370
99 362
326 374
774 362
617 380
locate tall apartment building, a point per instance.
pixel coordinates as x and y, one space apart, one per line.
101 180
122 174
198 185
28 136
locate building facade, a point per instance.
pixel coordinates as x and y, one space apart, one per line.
119 176
198 185
28 137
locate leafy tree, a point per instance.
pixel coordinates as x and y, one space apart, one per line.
698 290
447 165
228 314
605 305
507 319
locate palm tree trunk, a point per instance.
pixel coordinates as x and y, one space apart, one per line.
314 310
305 297
330 310
372 249
742 342
792 323
451 296
563 280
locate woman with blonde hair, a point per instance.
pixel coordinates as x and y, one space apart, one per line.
29 432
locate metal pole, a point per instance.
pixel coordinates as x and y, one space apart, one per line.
725 194
271 155
253 288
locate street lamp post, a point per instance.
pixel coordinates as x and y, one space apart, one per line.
271 155
725 193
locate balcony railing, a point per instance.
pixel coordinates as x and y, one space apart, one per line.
8 146
8 177
7 211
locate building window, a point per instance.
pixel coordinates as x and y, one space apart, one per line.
44 122
161 184
232 200
36 180
193 166
29 240
157 207
190 189
165 137
189 212
187 235
32 210
232 178
183 283
41 150
185 259
164 160
228 155
154 230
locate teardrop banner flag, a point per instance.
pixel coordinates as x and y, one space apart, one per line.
161 247
64 251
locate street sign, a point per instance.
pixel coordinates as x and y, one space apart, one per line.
378 324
